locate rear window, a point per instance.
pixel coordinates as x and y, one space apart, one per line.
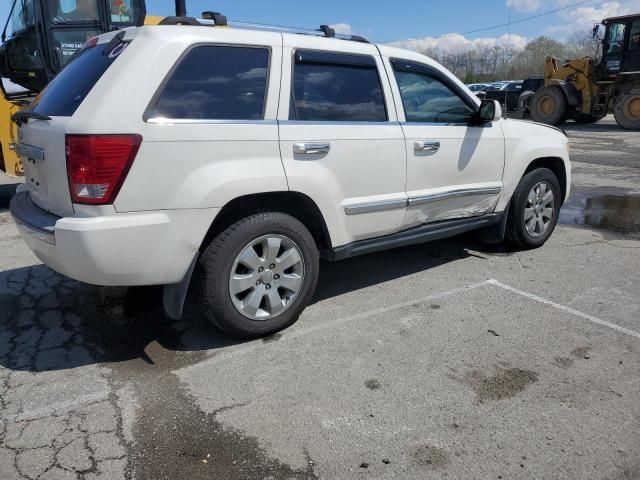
69 88
215 83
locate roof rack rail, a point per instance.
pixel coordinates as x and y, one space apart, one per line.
216 19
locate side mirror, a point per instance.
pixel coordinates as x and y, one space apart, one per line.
490 111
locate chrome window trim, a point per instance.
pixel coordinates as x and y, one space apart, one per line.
437 197
373 207
336 123
434 124
204 121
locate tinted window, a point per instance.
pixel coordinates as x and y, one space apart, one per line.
69 88
216 83
426 99
337 92
635 36
22 16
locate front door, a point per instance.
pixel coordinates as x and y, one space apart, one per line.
454 170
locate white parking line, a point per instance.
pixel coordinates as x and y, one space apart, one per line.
577 313
259 344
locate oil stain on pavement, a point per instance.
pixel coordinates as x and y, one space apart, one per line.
505 383
614 213
174 438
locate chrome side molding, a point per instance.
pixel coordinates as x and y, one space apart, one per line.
467 192
386 205
372 207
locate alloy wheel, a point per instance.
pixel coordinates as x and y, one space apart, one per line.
266 277
539 209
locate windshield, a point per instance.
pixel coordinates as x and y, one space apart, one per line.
63 11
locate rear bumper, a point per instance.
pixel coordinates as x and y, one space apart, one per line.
121 249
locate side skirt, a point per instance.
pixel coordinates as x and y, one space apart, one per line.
414 236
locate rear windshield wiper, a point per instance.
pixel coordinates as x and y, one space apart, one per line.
23 116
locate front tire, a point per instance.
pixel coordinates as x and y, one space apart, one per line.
627 109
535 208
549 105
257 276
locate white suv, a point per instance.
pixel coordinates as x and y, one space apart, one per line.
243 156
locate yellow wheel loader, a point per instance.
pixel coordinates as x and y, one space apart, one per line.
39 38
585 90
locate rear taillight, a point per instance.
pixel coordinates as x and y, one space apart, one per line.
98 164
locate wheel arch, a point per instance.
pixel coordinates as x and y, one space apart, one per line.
296 204
571 93
556 165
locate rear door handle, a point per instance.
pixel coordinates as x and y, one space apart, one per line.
426 146
311 148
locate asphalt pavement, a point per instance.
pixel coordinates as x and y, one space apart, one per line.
446 360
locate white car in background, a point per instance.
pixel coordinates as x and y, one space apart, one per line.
243 156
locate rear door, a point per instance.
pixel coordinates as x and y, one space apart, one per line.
340 140
41 143
454 169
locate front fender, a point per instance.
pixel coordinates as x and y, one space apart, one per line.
526 142
574 97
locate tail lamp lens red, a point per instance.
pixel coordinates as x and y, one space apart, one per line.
97 166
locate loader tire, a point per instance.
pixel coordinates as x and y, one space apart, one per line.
627 109
549 105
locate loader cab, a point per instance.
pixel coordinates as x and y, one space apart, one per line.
620 46
41 36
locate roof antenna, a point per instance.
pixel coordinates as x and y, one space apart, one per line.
181 8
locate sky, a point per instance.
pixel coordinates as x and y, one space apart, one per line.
416 23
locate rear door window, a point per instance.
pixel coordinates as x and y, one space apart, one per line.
336 87
215 83
69 88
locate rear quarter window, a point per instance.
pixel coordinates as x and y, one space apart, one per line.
65 93
215 83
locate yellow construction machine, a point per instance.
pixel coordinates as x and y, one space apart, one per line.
40 37
586 89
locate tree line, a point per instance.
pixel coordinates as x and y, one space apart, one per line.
501 62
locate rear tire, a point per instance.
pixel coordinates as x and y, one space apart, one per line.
534 212
241 280
627 109
549 105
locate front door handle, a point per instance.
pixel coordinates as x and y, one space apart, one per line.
311 148
426 146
